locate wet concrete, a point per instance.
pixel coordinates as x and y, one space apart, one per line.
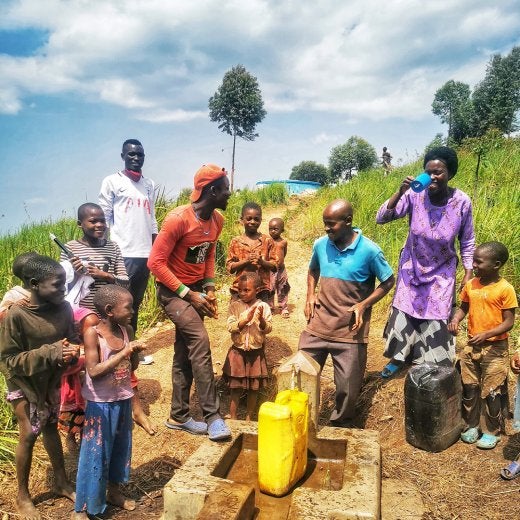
343 479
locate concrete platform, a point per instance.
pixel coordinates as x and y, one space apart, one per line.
343 480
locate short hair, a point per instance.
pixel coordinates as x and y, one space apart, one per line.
277 219
497 249
82 210
108 294
39 268
445 154
250 275
131 141
20 261
250 205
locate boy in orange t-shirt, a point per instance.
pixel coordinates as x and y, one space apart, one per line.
490 302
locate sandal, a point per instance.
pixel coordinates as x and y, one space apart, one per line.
488 441
285 313
390 370
190 426
512 471
470 436
218 430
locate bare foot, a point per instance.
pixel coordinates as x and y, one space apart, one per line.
65 489
144 422
26 509
116 498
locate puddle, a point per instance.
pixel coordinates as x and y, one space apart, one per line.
325 467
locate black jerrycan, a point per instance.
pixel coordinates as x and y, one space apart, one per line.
432 402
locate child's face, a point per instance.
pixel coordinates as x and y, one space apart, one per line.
247 291
123 310
251 219
275 228
484 263
51 289
93 223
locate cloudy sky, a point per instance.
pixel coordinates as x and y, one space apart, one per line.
78 77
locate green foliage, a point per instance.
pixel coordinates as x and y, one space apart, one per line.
355 154
310 171
496 98
437 141
452 103
237 104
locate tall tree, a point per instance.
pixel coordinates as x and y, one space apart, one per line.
237 106
310 171
497 97
355 154
452 103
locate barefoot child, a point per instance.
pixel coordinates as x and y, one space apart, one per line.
245 367
106 265
279 280
490 302
34 351
110 357
251 252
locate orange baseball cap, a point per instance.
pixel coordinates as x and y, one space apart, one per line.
206 174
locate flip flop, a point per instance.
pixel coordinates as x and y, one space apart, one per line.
512 471
487 441
190 426
285 313
390 370
219 431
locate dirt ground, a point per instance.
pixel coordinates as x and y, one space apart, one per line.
461 482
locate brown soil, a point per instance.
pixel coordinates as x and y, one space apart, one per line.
460 483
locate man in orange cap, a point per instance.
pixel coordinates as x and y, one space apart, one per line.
183 262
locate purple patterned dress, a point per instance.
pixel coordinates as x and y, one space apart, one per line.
426 274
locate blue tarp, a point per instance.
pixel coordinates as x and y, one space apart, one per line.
294 187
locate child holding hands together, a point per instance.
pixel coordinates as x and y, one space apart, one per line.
245 367
110 357
490 302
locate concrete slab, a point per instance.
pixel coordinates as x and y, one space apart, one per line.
343 480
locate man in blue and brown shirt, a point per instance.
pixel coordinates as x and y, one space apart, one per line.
346 264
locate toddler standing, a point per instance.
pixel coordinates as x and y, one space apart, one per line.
279 279
251 252
490 302
35 347
110 357
245 367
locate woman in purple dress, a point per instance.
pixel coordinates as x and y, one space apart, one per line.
425 289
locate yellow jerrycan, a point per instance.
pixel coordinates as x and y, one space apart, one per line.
282 442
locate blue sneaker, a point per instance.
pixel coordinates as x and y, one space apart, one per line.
218 430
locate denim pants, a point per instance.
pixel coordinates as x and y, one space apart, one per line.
191 358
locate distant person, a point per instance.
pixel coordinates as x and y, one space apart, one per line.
346 265
19 294
387 161
101 259
251 252
127 199
245 367
37 343
279 280
490 303
111 354
438 216
183 262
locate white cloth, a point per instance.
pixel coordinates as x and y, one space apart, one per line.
81 287
129 209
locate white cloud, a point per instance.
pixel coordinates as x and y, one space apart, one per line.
362 58
326 138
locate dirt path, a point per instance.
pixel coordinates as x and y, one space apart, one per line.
460 483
